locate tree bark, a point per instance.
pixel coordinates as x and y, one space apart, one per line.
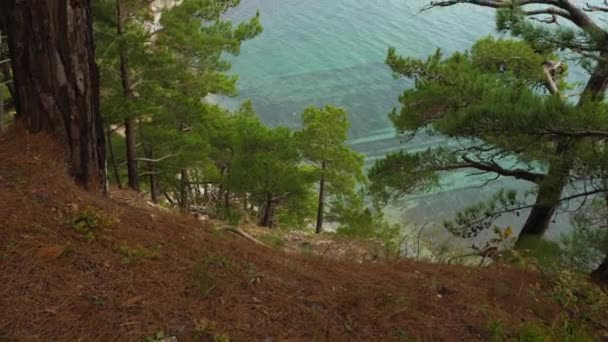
184 190
56 80
320 209
227 203
127 89
595 89
547 200
5 67
154 188
550 190
268 213
131 154
225 192
113 157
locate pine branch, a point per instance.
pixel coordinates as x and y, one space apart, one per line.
562 8
494 167
594 8
552 11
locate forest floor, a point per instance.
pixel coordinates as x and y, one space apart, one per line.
77 266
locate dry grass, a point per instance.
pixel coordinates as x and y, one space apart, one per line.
57 284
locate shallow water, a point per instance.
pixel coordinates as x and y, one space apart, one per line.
332 52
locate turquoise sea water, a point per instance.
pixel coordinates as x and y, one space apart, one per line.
319 52
333 51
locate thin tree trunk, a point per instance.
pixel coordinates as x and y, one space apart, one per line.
113 157
184 190
127 89
56 80
169 199
268 213
5 67
220 189
320 209
154 188
131 154
227 203
6 74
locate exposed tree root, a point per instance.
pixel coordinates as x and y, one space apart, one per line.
243 234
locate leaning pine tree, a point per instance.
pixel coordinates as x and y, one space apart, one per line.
56 79
323 144
585 40
503 103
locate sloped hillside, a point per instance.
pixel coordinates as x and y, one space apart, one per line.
75 266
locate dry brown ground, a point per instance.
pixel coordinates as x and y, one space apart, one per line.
55 285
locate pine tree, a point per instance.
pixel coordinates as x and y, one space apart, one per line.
323 143
173 64
53 96
500 103
585 39
267 166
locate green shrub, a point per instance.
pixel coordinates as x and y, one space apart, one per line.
90 221
533 332
203 279
234 217
272 240
498 332
546 253
569 331
584 248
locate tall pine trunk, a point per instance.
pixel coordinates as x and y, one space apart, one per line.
127 89
154 188
321 208
596 90
547 200
56 80
131 154
549 192
184 191
600 274
266 218
227 203
113 157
